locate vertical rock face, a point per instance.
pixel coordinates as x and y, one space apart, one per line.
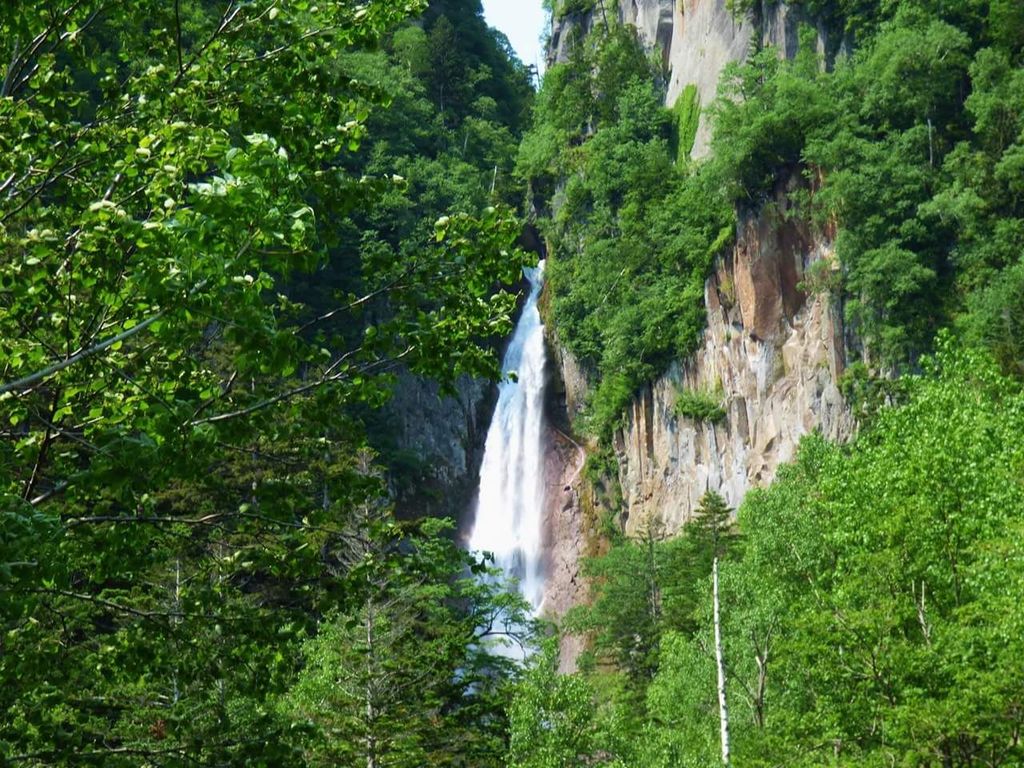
705 36
698 38
655 20
566 32
440 442
771 354
564 536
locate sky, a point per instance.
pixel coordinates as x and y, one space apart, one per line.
523 22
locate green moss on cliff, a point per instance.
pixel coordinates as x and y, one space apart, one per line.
700 405
561 8
686 112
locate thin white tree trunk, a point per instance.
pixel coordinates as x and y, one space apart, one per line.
723 709
371 713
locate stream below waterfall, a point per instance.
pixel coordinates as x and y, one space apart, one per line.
509 519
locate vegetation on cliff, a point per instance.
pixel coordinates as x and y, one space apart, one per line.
869 609
635 227
915 138
909 148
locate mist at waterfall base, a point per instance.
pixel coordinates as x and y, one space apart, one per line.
508 520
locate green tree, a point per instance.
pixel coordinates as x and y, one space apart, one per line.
402 675
182 432
642 588
552 716
883 564
712 523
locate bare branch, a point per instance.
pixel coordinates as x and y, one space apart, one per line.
282 48
327 378
74 522
56 490
5 87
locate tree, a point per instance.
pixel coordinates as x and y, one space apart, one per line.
552 716
402 675
181 440
712 523
884 565
641 589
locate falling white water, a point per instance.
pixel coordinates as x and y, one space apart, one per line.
508 514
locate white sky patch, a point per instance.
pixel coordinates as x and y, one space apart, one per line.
523 21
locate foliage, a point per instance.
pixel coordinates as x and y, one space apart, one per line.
996 318
404 675
211 272
909 147
468 60
846 17
562 8
634 235
699 406
561 720
911 169
822 277
646 587
601 471
712 525
868 612
552 716
682 705
686 111
888 557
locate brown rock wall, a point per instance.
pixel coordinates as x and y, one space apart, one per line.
772 353
564 537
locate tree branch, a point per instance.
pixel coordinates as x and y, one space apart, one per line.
27 381
34 378
327 378
230 12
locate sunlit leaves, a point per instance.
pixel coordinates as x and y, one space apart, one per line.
179 435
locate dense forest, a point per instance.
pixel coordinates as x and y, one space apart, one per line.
229 229
225 228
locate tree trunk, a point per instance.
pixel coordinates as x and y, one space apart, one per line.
762 685
371 713
653 590
723 709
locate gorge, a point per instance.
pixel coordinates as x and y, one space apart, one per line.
278 365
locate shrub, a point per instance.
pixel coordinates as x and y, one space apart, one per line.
700 405
686 111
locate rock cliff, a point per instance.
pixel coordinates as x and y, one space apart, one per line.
438 445
698 38
771 353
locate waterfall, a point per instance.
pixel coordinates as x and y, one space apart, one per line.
508 515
